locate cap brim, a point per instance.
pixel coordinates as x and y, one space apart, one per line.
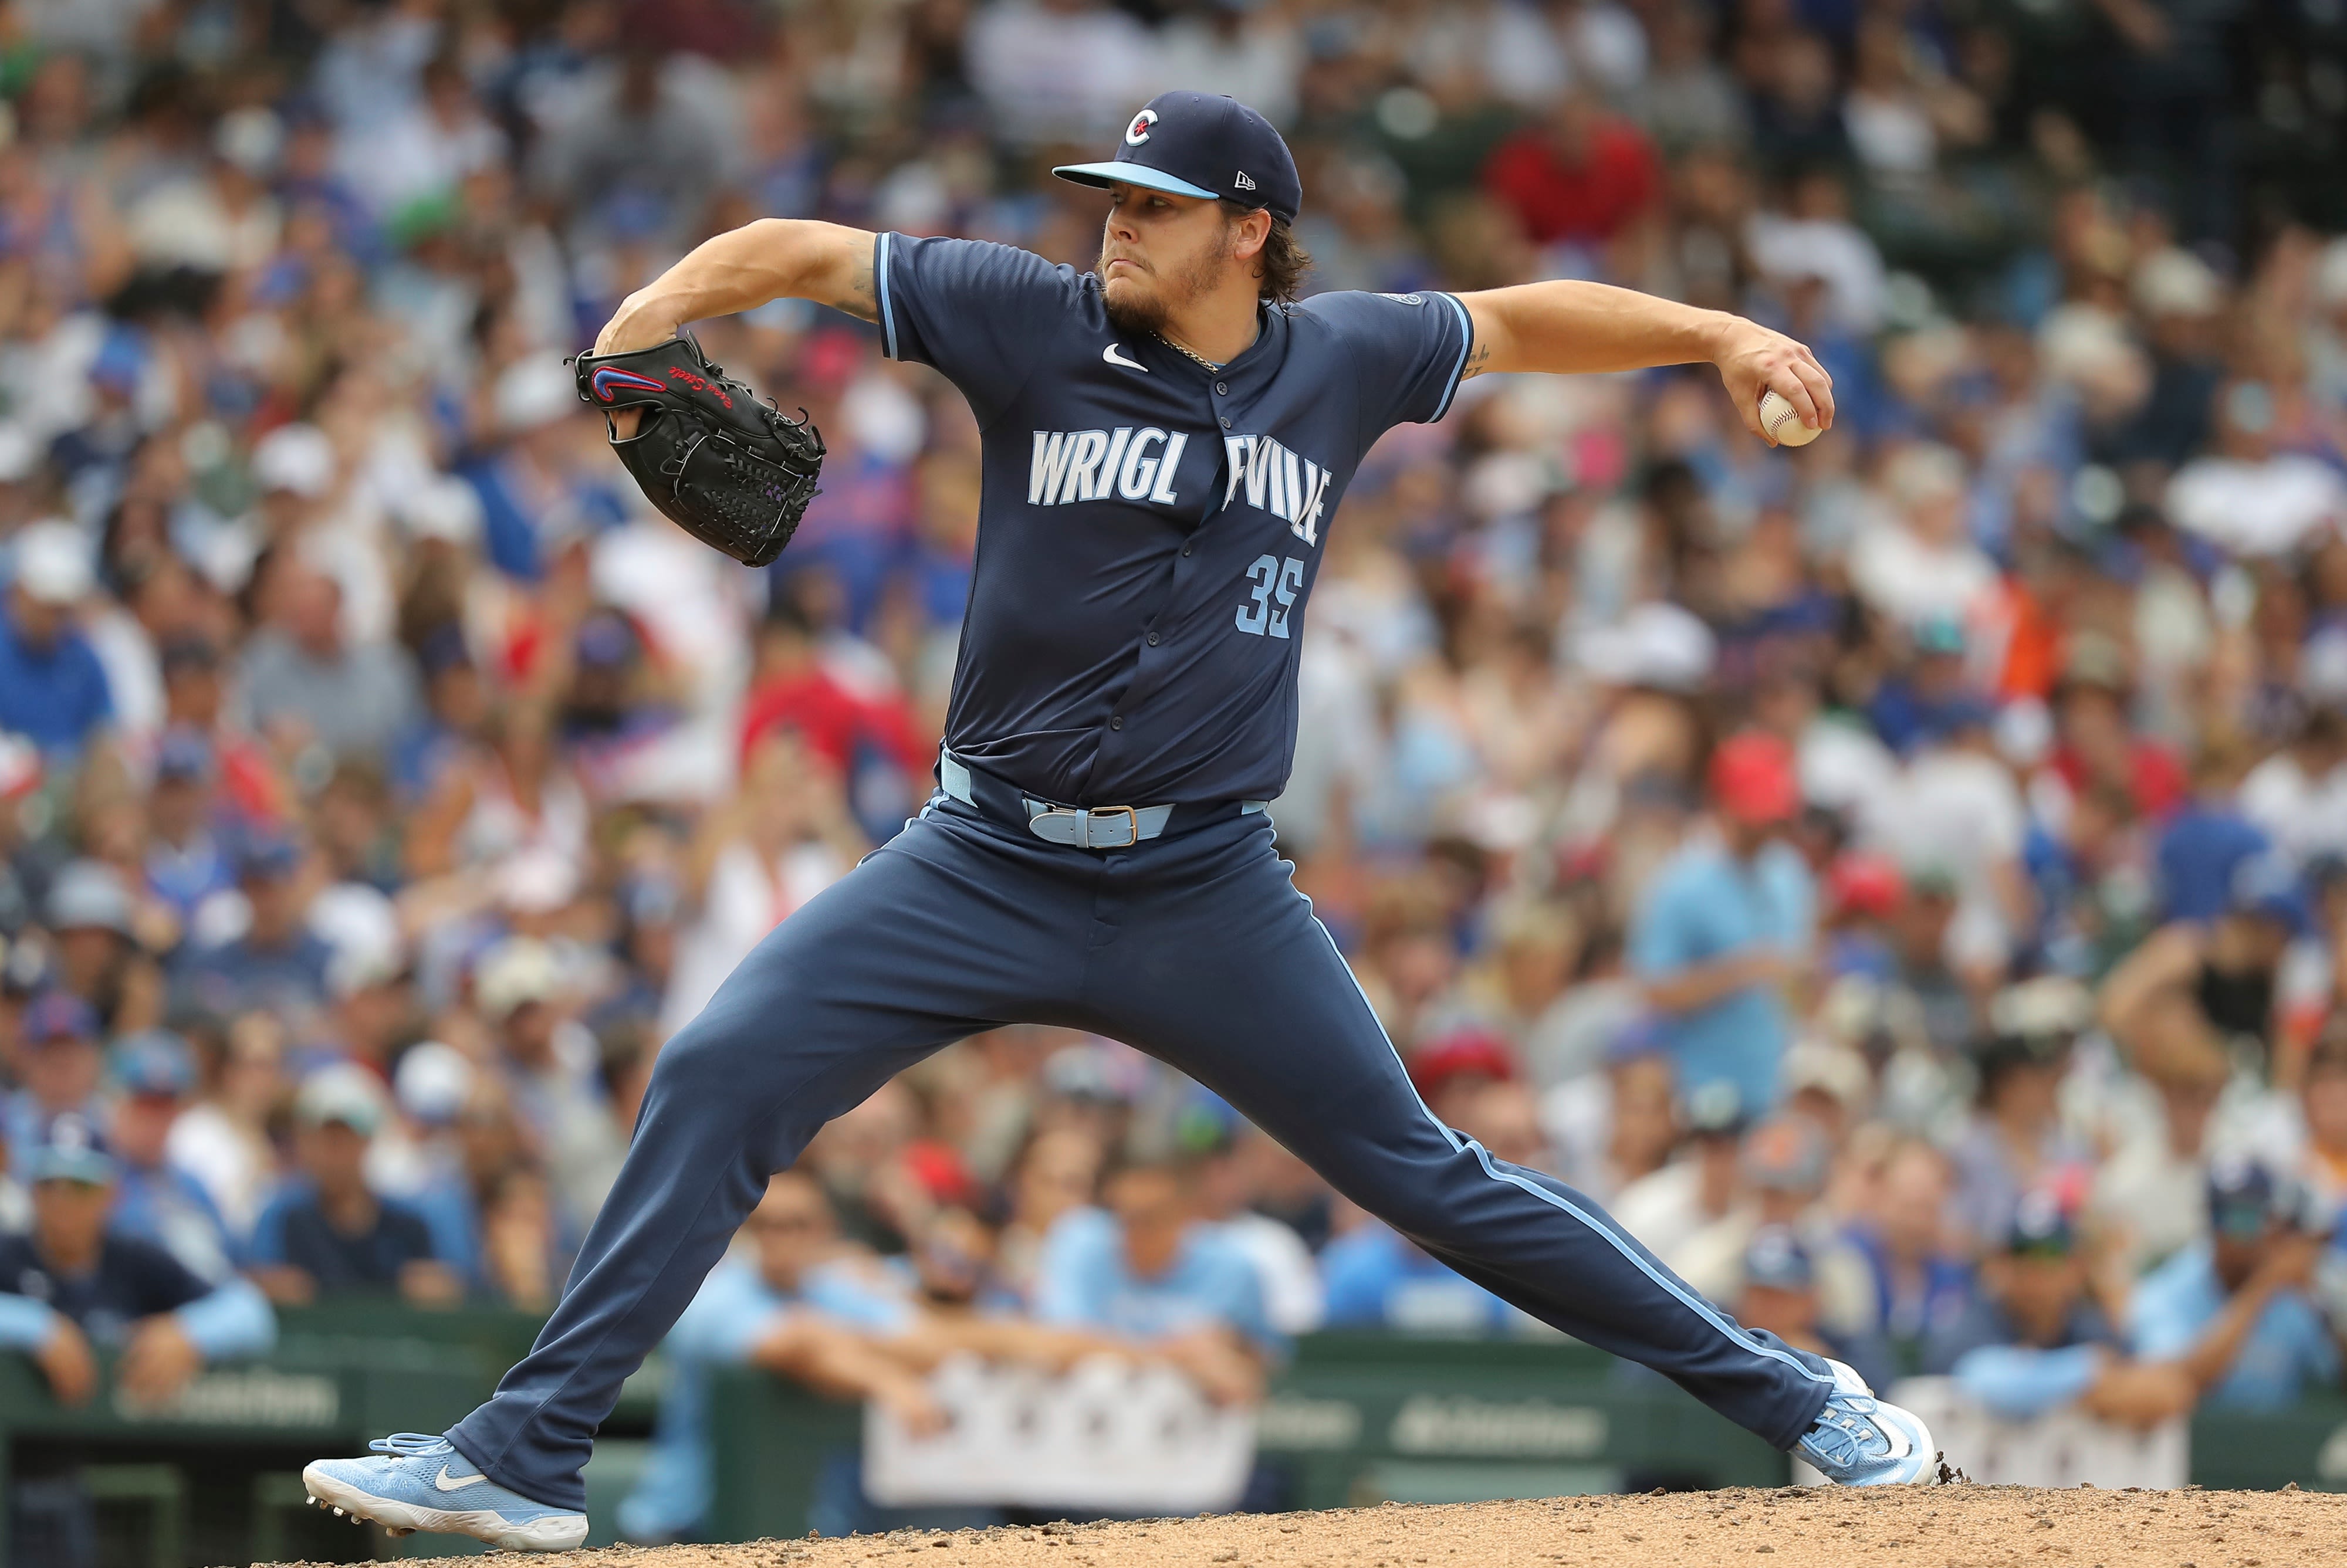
1104 175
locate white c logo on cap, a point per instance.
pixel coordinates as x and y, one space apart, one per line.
1138 131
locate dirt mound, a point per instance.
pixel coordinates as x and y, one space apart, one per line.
1956 1526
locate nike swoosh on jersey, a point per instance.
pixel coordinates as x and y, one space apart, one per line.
441 1483
1109 353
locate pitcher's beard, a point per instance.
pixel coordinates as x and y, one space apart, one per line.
1134 313
1148 314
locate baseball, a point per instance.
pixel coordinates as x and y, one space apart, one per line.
1781 420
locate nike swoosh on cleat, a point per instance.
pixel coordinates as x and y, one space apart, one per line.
441 1484
1109 355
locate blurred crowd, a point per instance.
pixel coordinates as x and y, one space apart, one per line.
1904 879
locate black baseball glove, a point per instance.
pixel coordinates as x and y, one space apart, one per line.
718 460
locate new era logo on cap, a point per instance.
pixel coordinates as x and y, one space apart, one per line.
1201 145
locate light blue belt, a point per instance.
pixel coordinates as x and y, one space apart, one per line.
1078 827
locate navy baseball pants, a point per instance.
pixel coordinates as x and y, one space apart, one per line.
1195 946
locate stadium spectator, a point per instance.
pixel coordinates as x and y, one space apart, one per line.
802 1305
1723 926
1143 1266
60 1068
326 1234
2233 1311
156 1200
1377 1278
1923 1277
53 690
74 1285
276 964
2034 1340
1779 1295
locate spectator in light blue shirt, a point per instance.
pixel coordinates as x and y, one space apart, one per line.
159 1202
2234 1309
1146 1267
1377 1279
2033 1340
1722 923
769 1309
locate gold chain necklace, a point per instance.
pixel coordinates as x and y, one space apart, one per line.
1192 354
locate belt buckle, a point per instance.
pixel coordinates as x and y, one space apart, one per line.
1131 825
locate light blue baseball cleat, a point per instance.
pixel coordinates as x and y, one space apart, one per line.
1860 1441
423 1483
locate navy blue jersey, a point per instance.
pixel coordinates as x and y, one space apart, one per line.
134 1279
1149 529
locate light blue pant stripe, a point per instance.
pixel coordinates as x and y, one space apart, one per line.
1693 1303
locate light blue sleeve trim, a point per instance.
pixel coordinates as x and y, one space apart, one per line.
231 1322
2018 1382
1466 341
26 1324
885 252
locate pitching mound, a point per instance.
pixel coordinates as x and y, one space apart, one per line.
1956 1526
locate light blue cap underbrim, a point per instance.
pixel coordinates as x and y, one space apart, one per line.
1115 172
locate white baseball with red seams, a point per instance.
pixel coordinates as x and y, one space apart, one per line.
1781 420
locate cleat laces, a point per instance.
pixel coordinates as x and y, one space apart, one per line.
413 1445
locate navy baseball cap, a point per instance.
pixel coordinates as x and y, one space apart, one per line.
69 1149
1203 145
2041 1227
155 1062
2245 1197
1776 1258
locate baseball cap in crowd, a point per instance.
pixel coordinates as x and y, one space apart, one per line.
1715 1110
433 1083
88 895
155 1062
69 1151
1775 1259
1786 1154
266 857
2266 883
52 562
1834 1070
2240 1197
2040 1227
2247 1196
1862 883
298 458
1203 145
56 1016
1752 778
343 1095
2049 1007
1463 1053
518 970
184 755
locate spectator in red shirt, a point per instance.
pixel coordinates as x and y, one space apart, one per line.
793 689
1580 174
